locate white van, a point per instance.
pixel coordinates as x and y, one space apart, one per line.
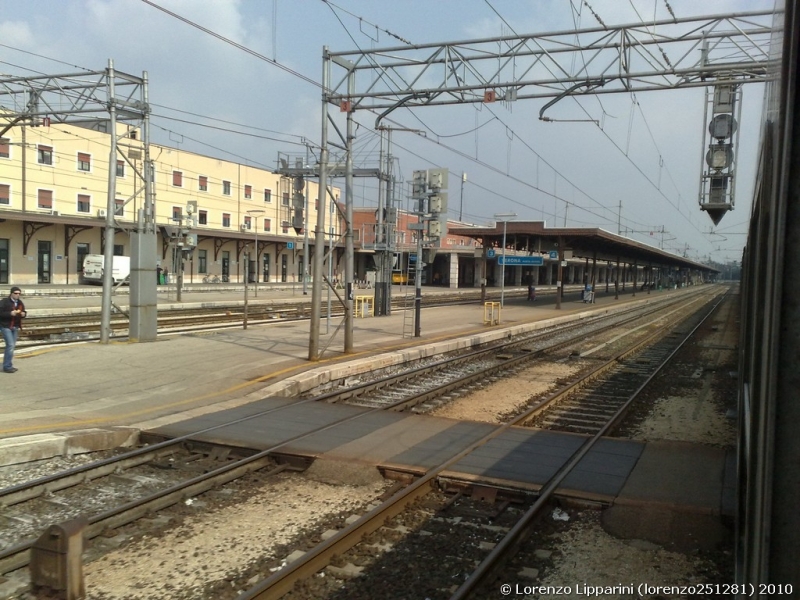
93 268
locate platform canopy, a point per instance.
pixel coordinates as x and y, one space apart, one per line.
590 243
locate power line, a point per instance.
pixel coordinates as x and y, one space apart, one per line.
234 44
214 127
363 20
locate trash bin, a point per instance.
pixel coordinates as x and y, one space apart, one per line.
56 559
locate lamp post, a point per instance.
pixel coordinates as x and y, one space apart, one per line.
505 218
256 212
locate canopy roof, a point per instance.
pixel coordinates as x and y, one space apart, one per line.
582 242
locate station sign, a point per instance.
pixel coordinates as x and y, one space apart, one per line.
527 261
554 254
490 253
290 245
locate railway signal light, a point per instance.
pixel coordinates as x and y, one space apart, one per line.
717 180
298 205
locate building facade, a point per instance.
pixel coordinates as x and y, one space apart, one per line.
54 197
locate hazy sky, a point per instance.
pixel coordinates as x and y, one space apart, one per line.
645 153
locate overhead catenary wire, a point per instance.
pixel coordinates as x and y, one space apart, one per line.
331 6
237 45
508 129
486 123
606 134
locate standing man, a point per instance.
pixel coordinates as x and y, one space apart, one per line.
12 311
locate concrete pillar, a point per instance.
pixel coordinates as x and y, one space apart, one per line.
453 258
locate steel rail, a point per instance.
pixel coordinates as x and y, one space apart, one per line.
77 475
517 533
176 321
18 556
59 481
511 363
281 582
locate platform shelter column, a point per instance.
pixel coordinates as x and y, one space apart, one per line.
453 280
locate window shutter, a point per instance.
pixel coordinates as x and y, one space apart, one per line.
46 199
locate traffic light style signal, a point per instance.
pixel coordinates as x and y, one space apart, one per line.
717 189
298 204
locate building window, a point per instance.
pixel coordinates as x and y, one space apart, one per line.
202 183
84 162
177 213
316 204
120 168
202 261
285 226
177 178
267 224
119 250
5 193
226 188
119 207
84 203
5 148
248 223
248 191
285 199
267 195
45 199
202 217
226 219
45 155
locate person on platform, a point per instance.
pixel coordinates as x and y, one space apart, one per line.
531 292
12 311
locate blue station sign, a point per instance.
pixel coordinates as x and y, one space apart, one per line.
528 261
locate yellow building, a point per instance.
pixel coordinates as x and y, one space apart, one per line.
54 199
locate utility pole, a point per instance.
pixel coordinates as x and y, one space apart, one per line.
254 213
461 204
504 217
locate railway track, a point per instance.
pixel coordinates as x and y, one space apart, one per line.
587 409
16 556
426 387
86 326
344 542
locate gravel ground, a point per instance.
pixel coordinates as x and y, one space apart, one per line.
215 548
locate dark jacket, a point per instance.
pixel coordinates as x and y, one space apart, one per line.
6 320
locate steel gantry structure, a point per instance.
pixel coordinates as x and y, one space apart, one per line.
99 100
661 55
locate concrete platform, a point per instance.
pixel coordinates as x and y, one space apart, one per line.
117 389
